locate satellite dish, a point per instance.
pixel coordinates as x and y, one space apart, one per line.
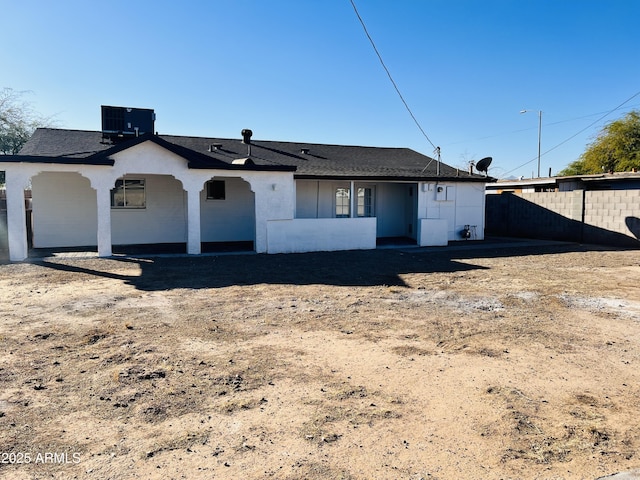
483 165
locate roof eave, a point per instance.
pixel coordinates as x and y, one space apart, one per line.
393 178
55 160
611 178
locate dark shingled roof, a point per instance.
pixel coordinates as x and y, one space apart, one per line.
308 160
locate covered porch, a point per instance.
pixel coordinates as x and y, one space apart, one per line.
81 210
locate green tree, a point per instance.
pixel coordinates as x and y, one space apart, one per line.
616 148
574 168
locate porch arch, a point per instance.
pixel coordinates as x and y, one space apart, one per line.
64 210
227 212
160 220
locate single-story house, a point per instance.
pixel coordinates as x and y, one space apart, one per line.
127 185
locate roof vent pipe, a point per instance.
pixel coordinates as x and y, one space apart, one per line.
246 138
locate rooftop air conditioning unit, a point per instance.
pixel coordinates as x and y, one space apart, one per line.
120 123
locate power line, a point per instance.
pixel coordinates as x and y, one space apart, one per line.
389 75
584 116
577 133
534 128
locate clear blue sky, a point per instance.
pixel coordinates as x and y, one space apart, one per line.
303 70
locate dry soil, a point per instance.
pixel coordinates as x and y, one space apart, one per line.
418 364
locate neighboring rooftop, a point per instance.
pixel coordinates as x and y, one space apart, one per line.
568 183
311 160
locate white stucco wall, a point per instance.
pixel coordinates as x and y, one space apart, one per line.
64 210
433 232
231 219
458 203
163 220
322 234
470 206
274 200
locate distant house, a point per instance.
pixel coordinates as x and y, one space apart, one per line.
125 185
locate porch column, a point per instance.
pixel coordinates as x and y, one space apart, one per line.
262 216
103 197
193 221
16 217
353 199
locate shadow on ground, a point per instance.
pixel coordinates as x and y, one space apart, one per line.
351 268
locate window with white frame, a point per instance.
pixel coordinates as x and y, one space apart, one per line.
365 202
129 193
342 202
216 190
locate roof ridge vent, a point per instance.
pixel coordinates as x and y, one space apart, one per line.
243 161
246 136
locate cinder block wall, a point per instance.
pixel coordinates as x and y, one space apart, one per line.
610 212
608 217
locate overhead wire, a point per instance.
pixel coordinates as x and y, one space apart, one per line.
415 120
577 133
502 134
584 116
395 86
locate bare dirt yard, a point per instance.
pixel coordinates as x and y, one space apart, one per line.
514 363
